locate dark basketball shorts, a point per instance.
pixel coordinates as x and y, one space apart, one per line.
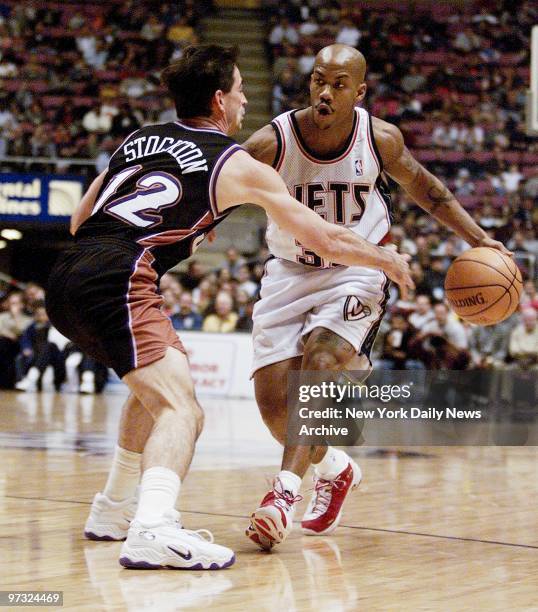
102 295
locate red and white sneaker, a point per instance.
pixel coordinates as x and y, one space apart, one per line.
273 520
261 541
325 508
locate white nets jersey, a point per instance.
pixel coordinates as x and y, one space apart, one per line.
345 188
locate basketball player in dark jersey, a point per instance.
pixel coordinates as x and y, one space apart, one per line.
165 188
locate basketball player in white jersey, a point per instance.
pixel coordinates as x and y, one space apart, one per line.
313 315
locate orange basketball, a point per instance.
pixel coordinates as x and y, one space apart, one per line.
483 286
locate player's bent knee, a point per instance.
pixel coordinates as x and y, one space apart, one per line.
321 360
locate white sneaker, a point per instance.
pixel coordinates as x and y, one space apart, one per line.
109 520
29 382
167 545
47 379
87 384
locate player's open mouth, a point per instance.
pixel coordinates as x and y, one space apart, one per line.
323 109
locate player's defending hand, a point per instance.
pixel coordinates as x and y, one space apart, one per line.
397 269
494 244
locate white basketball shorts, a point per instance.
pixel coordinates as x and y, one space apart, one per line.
295 299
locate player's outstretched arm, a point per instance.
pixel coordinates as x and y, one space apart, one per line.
85 206
425 188
245 180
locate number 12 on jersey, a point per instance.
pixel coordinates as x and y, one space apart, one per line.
140 207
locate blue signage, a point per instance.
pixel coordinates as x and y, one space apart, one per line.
41 198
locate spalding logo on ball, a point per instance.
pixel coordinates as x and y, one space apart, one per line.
483 286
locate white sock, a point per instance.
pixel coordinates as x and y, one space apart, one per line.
124 475
159 489
334 462
290 481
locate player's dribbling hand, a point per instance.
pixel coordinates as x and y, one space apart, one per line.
398 271
494 244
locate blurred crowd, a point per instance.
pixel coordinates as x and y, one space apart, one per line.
76 79
418 334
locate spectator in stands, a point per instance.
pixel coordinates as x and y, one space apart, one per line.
98 120
168 112
445 326
244 323
437 353
38 357
182 32
152 29
488 346
395 354
224 319
245 281
34 296
348 33
413 81
285 91
530 188
404 244
423 313
170 281
187 317
467 40
309 27
517 243
523 347
529 297
204 295
511 179
441 135
417 274
13 323
125 122
464 185
305 63
170 302
283 32
234 261
435 276
195 273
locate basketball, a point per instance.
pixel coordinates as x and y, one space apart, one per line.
483 286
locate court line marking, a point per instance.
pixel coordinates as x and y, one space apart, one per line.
246 517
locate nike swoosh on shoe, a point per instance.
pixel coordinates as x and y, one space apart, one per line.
186 557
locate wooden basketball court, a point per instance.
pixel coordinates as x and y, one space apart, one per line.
429 529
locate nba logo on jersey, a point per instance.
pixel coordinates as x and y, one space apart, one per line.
355 310
358 167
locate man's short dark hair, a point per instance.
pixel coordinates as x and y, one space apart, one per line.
193 80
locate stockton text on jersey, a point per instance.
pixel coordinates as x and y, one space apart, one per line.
159 191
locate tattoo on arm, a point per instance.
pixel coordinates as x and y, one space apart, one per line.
439 197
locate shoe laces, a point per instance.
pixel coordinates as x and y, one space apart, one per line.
323 490
202 534
283 496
